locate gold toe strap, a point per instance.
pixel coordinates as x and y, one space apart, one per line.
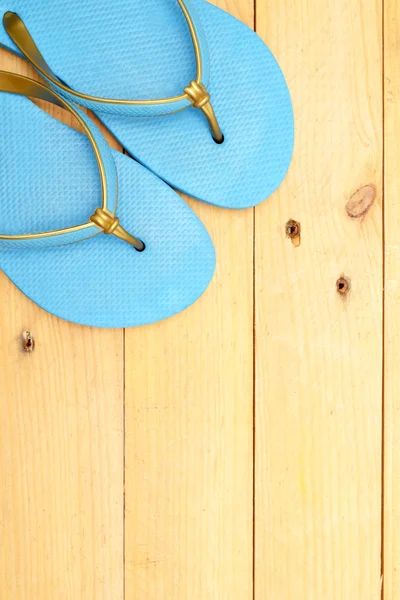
109 223
196 92
104 218
200 98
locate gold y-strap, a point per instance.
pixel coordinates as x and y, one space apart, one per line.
196 92
103 218
200 98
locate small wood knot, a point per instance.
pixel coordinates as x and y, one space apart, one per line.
293 231
28 341
361 202
342 286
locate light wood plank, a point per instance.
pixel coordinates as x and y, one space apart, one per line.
61 452
189 403
319 353
392 296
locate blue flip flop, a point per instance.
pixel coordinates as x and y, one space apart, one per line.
194 67
86 232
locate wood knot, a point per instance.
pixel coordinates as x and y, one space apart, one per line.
343 286
293 231
28 341
361 202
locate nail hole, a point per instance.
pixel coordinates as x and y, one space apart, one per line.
28 341
293 232
292 229
342 286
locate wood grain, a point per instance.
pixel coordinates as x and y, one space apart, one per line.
189 411
319 352
61 451
391 556
185 435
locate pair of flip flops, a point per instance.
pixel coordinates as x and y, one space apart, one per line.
214 120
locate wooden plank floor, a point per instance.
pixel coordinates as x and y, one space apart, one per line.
248 448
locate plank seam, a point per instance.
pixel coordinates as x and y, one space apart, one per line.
124 466
254 404
382 557
254 376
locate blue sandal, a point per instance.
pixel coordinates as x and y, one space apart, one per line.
114 250
221 126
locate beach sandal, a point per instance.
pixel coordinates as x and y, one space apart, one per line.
66 244
188 90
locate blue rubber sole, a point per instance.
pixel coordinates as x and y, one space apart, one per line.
48 180
126 49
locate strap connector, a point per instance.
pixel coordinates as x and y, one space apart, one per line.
109 223
200 98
